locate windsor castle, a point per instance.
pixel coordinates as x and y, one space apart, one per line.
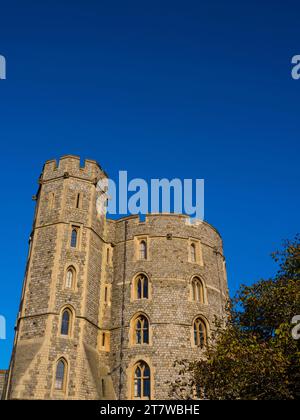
107 306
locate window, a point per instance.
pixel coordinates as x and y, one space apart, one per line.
109 255
106 294
70 278
193 253
197 290
78 201
141 330
74 238
142 381
141 286
143 250
66 322
103 388
104 343
61 375
200 333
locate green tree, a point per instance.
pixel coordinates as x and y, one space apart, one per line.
252 354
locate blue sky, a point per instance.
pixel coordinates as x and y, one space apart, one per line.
162 89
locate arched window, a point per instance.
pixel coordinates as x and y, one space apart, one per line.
66 322
142 381
70 278
61 375
141 286
193 253
143 250
141 330
74 238
200 333
197 290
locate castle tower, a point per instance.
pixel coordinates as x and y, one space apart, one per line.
183 267
108 306
55 353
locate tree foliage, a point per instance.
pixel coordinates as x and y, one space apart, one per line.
252 354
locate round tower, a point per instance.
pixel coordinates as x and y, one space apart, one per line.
169 284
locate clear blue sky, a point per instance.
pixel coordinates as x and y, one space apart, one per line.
190 89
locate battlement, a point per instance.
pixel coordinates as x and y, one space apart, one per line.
170 221
70 165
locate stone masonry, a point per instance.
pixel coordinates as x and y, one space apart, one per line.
99 352
2 381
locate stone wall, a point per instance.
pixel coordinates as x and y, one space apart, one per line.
2 382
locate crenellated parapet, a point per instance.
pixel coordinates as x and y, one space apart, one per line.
70 166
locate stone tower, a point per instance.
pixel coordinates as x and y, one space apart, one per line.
108 306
